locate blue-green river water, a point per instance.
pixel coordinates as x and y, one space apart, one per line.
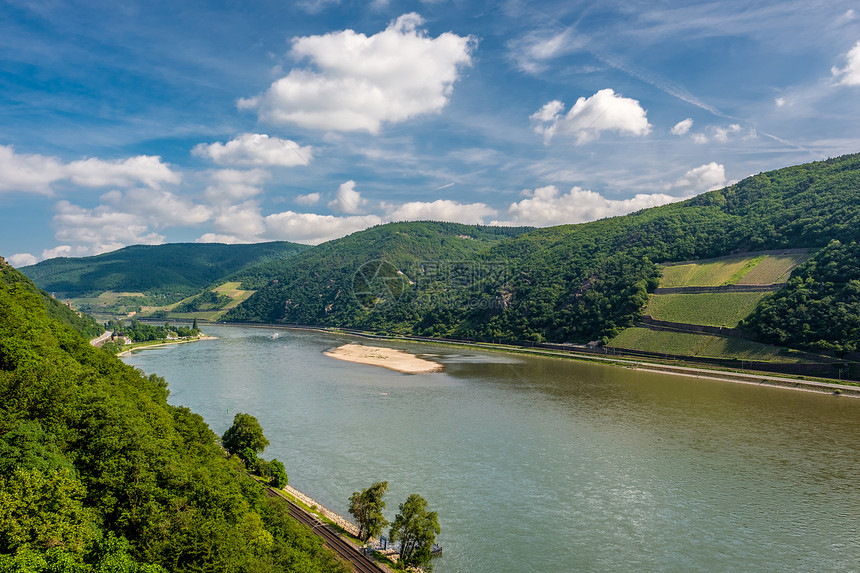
545 464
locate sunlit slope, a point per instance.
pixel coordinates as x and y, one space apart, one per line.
573 283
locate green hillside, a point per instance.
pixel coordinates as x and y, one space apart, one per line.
399 272
98 473
819 308
159 274
571 283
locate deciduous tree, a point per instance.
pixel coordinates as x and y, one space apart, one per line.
367 508
416 529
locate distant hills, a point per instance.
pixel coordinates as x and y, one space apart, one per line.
165 273
571 283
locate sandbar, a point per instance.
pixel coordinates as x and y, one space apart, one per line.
384 357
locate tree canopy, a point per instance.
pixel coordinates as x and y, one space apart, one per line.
366 506
99 473
416 528
245 433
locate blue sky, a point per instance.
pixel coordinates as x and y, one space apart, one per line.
148 122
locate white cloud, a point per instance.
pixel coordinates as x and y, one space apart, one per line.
309 199
850 74
703 178
22 260
546 206
312 228
682 127
589 117
721 134
530 52
255 150
243 221
780 102
100 229
700 138
235 184
359 82
146 169
62 251
347 200
440 210
217 238
36 173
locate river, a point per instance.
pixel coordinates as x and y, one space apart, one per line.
546 464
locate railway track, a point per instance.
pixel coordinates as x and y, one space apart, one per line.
332 539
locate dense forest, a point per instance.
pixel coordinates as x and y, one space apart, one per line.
98 473
819 308
572 283
163 273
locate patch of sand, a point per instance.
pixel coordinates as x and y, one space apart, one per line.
384 357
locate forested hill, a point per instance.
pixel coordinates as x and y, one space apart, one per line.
82 323
98 473
168 272
569 283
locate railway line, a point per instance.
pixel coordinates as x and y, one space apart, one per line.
332 539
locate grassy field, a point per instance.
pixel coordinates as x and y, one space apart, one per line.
711 309
748 269
715 273
773 269
689 344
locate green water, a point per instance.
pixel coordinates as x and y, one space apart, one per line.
543 464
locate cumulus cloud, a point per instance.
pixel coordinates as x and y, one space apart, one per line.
546 206
101 229
235 184
682 127
309 199
358 82
37 173
531 52
244 222
347 200
850 74
703 178
255 150
312 228
440 210
721 134
23 259
589 117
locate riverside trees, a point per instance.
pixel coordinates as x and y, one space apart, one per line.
366 506
416 529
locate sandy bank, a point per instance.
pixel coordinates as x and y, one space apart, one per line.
384 357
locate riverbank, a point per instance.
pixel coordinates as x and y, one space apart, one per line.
157 343
750 377
390 358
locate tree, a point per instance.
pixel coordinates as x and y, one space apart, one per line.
194 326
416 528
279 473
245 432
366 506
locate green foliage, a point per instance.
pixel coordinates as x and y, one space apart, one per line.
366 506
245 434
98 473
82 323
571 283
819 308
416 529
278 473
144 332
164 273
711 309
207 300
